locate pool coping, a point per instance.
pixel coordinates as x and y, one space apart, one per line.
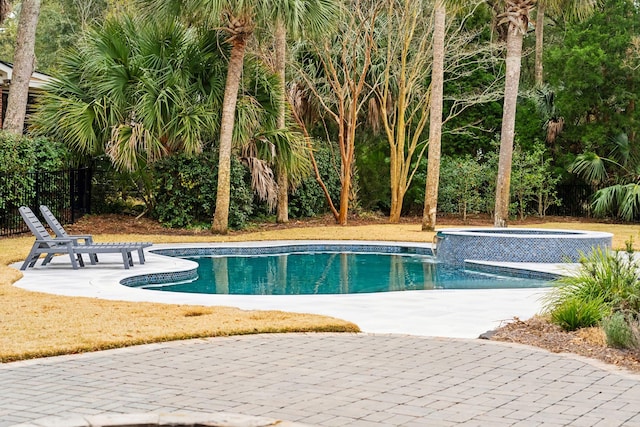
447 313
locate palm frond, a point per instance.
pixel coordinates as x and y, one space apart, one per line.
621 200
554 127
589 166
147 88
623 151
630 206
263 181
287 151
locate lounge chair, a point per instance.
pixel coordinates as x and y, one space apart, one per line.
60 232
45 244
87 239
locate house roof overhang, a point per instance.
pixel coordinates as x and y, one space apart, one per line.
37 81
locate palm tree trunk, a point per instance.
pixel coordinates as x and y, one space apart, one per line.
512 81
282 213
539 43
23 60
234 73
435 121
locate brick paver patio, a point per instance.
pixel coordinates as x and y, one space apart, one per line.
328 380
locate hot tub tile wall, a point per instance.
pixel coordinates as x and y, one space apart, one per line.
507 248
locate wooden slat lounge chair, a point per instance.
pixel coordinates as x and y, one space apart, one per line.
45 244
87 239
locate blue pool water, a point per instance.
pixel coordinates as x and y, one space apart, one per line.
333 273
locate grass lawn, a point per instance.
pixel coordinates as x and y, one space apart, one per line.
36 324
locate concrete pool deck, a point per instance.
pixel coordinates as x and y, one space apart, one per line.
366 380
443 313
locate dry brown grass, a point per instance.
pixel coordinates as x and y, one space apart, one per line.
35 324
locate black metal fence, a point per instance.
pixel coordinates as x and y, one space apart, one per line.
67 193
576 201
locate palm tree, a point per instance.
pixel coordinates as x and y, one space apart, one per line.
314 18
239 20
516 17
579 9
136 91
435 119
23 61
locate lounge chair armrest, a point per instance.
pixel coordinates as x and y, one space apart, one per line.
88 239
80 236
65 241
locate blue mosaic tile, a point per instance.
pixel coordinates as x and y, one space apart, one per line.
504 246
287 249
511 271
178 276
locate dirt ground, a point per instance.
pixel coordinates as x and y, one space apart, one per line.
114 224
535 332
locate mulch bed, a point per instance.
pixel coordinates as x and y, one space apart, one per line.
589 342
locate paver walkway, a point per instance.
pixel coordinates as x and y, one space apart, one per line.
329 380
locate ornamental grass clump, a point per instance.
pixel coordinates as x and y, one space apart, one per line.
606 283
575 313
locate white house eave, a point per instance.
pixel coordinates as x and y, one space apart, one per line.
37 81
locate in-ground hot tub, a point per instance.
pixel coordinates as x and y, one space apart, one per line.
455 245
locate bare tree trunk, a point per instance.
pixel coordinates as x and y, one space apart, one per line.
23 60
539 43
435 121
282 213
395 161
344 198
512 81
234 73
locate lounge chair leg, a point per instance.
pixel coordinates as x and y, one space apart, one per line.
28 261
93 258
126 258
47 259
74 262
141 256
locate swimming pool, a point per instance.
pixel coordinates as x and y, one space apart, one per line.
460 313
342 270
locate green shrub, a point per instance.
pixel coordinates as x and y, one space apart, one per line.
575 313
372 162
462 186
621 331
186 187
308 199
20 156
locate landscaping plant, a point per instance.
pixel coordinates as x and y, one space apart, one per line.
622 331
606 286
